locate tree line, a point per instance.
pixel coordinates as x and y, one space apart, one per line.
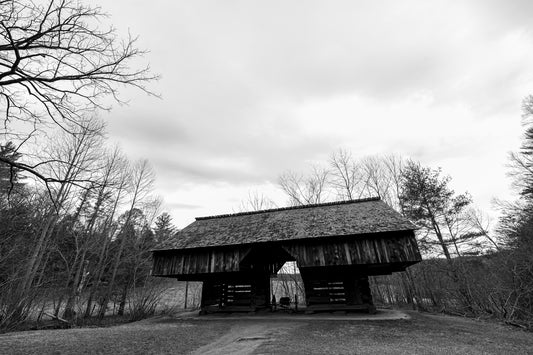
89 235
449 223
471 267
76 216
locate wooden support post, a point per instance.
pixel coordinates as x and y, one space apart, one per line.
186 294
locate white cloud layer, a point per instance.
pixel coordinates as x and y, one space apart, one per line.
251 89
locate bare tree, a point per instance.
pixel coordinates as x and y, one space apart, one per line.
348 178
393 165
109 177
113 190
256 201
377 181
72 160
373 176
141 184
304 190
57 65
346 175
480 228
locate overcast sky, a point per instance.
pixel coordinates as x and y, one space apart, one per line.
253 88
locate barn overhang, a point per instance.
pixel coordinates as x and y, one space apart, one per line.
377 253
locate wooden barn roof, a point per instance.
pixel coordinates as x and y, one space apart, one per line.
311 221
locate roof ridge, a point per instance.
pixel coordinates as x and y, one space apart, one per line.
343 202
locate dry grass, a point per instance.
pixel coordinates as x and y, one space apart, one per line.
154 336
423 334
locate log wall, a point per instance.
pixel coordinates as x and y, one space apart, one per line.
336 290
356 251
245 293
380 249
198 261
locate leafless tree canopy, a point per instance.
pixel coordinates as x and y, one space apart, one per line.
348 177
57 66
256 201
305 190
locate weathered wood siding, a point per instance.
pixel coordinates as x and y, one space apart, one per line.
247 293
385 248
355 251
340 290
197 261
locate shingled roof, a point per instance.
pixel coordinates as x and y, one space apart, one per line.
311 221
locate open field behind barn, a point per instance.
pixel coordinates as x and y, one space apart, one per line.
422 334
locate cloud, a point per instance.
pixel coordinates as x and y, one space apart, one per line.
251 89
148 126
182 206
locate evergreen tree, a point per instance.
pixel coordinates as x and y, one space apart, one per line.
429 202
9 175
164 229
522 161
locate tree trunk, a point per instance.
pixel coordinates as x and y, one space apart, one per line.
438 232
139 184
123 299
186 294
107 234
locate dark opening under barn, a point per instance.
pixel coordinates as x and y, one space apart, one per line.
336 247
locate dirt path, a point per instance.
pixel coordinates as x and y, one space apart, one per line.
421 334
243 339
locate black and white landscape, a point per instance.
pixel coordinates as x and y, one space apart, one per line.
298 146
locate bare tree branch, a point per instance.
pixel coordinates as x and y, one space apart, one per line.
57 66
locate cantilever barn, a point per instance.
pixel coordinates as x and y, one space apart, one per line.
336 246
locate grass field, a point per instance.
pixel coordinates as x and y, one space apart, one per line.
422 334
